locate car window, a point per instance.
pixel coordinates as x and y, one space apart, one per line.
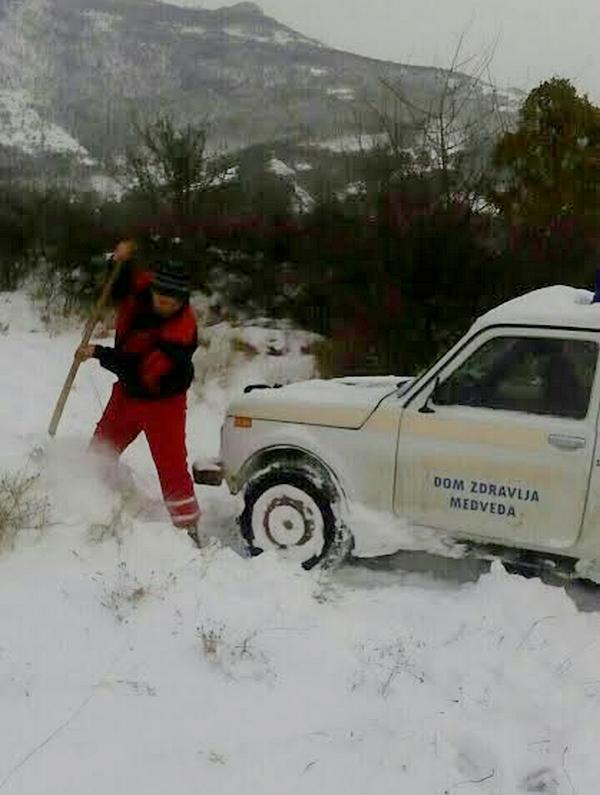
528 374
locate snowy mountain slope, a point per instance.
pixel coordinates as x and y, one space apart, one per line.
88 65
131 662
22 128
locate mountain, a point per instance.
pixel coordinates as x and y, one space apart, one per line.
74 74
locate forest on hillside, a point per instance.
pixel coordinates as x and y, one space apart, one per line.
395 251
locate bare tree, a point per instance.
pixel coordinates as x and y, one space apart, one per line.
170 165
449 134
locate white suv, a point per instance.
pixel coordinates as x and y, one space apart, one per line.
494 446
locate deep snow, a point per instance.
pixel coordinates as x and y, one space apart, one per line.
130 662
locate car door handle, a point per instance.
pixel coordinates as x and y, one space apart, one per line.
566 442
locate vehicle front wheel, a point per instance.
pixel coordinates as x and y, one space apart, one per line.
286 512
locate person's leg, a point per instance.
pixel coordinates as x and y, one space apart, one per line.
117 428
164 425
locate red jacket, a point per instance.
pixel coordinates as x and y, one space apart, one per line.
152 357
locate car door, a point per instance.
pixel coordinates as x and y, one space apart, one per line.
501 445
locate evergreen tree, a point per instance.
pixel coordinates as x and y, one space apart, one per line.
550 166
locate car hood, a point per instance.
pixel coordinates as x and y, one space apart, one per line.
338 403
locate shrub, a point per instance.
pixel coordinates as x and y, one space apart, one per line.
21 506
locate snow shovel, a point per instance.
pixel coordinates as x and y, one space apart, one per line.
87 333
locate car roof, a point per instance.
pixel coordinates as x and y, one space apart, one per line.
558 306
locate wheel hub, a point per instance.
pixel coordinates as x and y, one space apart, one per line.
287 523
288 519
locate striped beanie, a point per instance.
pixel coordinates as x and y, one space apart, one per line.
172 278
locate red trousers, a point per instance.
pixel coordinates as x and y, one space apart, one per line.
163 423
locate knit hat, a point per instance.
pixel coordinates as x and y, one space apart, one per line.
172 278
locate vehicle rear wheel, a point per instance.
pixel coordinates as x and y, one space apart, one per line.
286 512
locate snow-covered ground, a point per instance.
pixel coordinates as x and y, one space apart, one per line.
130 662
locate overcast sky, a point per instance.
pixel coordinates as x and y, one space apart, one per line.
536 39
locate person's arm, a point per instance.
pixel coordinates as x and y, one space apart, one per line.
123 365
128 280
175 349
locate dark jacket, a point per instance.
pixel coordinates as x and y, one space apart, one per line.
152 357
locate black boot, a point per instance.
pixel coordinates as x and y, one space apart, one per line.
192 532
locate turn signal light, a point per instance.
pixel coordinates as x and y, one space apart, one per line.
242 422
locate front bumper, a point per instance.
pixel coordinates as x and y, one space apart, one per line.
208 472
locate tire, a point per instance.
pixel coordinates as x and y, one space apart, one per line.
286 512
527 572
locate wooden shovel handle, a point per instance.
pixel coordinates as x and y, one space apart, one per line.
86 336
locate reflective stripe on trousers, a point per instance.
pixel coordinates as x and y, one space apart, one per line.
184 513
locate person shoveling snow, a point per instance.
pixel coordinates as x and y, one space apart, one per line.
156 336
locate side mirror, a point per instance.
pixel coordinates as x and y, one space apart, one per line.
426 408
